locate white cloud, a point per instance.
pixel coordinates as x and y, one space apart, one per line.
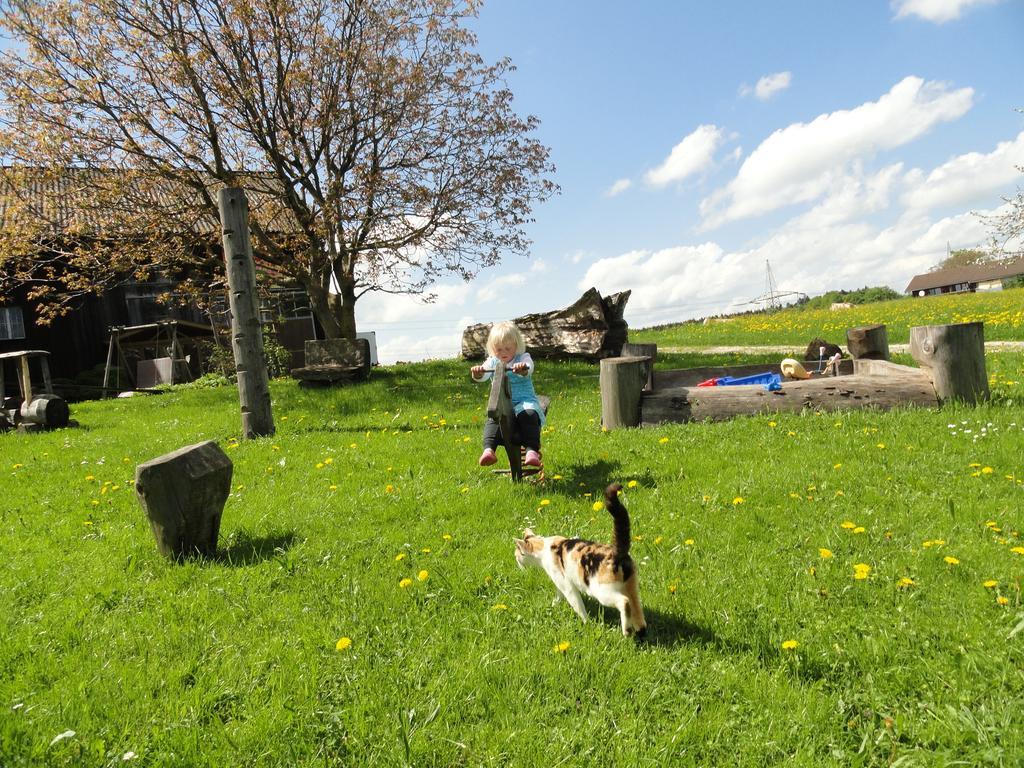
538 267
376 307
618 187
407 347
768 86
937 11
576 256
967 179
803 162
499 285
691 155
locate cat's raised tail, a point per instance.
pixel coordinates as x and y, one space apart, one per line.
621 539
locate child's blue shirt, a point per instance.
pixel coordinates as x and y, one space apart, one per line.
524 397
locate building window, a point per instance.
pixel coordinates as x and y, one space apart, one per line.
12 324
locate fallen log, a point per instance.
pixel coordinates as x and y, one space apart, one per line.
592 328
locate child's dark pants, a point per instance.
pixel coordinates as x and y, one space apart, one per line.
527 430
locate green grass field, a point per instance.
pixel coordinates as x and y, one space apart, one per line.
365 607
1002 312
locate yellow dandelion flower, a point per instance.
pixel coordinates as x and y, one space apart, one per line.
859 529
974 465
861 571
319 465
1002 600
389 488
597 506
332 487
738 500
904 582
1017 550
446 537
405 582
790 645
425 550
990 584
848 525
545 502
837 466
343 644
688 542
422 576
17 466
399 557
658 539
631 484
672 589
499 607
89 478
772 424
951 560
791 433
556 477
824 553
663 440
986 470
328 460
561 647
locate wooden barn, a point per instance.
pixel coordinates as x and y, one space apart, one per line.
59 207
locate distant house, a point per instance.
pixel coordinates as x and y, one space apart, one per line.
63 205
968 279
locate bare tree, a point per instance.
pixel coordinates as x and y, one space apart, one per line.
392 146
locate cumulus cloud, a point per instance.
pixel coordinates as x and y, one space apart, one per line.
937 11
691 155
379 307
768 86
499 285
618 187
967 179
803 161
406 347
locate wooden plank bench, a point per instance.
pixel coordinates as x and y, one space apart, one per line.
333 361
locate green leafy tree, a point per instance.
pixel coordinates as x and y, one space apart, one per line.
393 148
964 257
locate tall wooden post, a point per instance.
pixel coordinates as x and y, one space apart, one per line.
246 334
622 382
954 356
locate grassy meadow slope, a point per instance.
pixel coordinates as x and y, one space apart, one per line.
1002 312
821 590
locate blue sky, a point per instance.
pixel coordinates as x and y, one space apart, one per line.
845 143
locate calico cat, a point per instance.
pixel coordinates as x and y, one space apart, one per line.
606 573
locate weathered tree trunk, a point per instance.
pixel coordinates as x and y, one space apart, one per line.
954 356
868 342
592 328
246 333
622 381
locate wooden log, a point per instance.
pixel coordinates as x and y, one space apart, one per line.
246 333
592 328
650 351
183 495
855 391
622 381
869 341
954 356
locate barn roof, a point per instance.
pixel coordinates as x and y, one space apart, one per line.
972 273
109 201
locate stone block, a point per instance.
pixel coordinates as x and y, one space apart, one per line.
183 495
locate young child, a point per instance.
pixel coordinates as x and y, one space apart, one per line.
505 343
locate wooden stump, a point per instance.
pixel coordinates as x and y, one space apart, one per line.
870 342
649 351
622 382
954 357
183 495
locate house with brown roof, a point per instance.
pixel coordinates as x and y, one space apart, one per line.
60 207
967 279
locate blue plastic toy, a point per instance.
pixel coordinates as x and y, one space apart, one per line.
770 381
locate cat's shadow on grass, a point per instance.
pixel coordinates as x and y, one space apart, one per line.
664 629
246 549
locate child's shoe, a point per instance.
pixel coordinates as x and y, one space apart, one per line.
488 457
532 459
